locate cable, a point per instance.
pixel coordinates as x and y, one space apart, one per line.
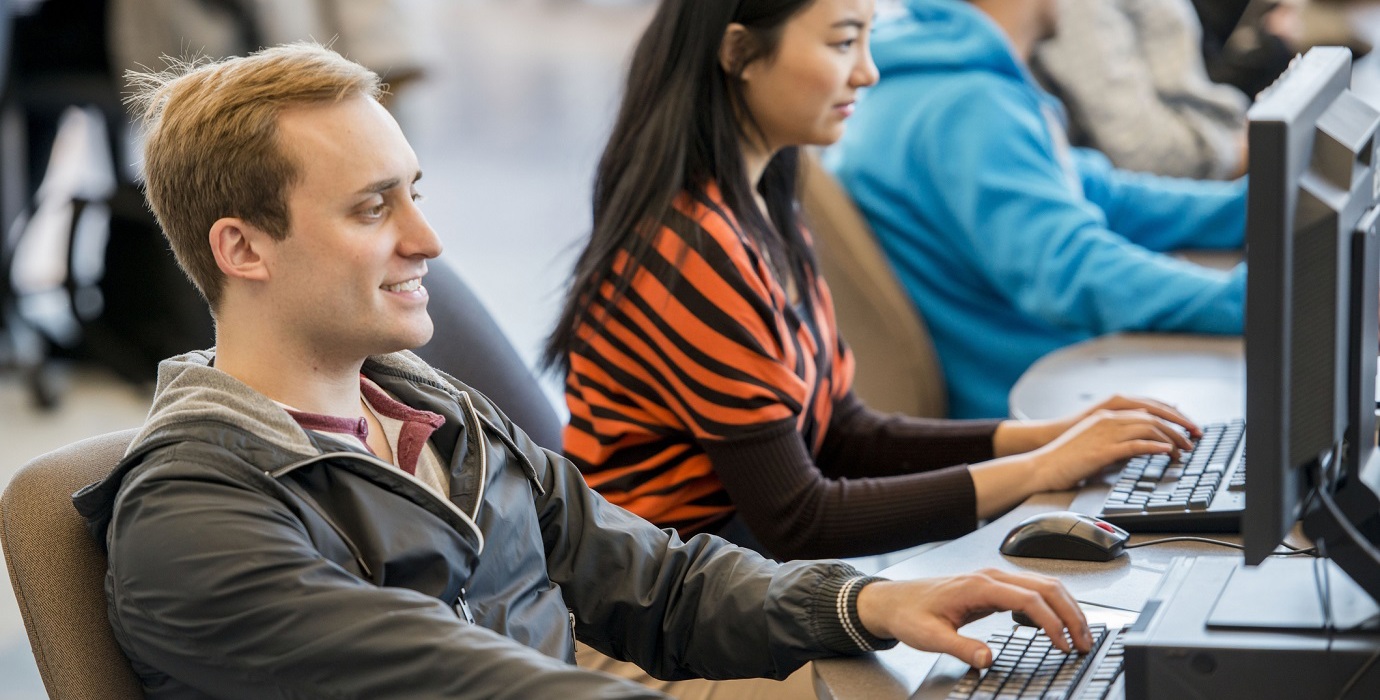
1295 551
1358 539
1360 673
1323 581
1204 540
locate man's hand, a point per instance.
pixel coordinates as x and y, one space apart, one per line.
926 613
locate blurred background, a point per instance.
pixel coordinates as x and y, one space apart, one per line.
506 102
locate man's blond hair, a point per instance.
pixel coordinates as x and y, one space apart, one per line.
212 150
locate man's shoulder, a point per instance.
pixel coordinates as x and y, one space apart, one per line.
971 101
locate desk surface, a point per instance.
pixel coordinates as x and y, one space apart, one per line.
1123 584
1204 375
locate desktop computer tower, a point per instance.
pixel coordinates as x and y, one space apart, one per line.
1217 629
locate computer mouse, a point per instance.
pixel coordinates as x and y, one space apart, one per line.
1065 535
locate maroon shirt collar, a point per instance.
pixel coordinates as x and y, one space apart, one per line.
417 428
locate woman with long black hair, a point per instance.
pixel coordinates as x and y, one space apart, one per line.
708 387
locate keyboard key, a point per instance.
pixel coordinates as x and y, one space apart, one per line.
1182 490
1040 671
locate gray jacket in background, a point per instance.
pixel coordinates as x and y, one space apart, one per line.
1131 74
251 559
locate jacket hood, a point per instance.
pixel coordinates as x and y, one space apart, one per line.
192 394
943 36
191 390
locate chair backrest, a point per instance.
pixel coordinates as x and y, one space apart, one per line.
470 346
58 572
897 369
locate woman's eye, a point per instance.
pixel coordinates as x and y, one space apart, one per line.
418 196
845 45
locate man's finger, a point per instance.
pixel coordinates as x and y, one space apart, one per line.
971 651
1058 598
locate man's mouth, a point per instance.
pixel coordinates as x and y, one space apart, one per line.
411 285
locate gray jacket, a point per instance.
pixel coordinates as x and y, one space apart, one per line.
251 559
1131 74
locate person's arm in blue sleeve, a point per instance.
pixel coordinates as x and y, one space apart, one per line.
1038 241
1164 213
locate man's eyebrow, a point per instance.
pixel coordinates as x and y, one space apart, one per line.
385 185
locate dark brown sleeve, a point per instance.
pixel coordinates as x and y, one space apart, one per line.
798 513
862 442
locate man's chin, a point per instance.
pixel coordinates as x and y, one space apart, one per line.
403 341
421 337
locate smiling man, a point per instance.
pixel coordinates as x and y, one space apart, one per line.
311 511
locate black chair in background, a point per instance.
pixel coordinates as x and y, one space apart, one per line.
50 59
469 345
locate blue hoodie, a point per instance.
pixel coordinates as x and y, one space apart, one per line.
1010 243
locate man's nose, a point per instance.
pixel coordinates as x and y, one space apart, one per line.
418 237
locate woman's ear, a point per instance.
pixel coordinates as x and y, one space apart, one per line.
240 248
734 50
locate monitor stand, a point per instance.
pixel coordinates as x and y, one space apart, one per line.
1284 595
1193 641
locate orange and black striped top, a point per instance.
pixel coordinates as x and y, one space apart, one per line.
706 350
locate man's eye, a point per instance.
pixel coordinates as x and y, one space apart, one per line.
375 212
418 196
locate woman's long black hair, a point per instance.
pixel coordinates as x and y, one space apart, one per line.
678 130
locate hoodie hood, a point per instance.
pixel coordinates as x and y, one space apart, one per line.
943 36
191 390
192 395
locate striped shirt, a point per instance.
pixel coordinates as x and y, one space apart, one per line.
704 346
706 392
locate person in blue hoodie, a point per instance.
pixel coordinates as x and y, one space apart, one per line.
1011 243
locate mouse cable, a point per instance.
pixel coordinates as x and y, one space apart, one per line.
1293 551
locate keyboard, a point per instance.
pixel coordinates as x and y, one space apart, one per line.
1203 492
1027 665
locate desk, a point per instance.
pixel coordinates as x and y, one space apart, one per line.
1204 375
1124 583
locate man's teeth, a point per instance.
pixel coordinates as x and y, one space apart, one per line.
411 285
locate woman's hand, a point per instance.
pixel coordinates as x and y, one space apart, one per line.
1101 438
926 613
1016 437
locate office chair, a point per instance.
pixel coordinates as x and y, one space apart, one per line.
58 572
897 368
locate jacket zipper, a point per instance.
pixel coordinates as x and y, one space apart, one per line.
531 470
463 607
392 470
478 434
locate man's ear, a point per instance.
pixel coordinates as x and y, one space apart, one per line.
240 248
734 50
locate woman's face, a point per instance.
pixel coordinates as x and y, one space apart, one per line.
803 93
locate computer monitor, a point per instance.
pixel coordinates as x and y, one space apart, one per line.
1311 316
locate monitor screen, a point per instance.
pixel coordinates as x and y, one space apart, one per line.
1311 297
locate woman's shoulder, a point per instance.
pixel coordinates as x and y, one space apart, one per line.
707 211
